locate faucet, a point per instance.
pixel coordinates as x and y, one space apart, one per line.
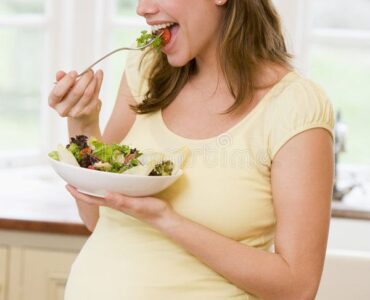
340 146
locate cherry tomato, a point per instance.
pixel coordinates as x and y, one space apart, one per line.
166 36
86 150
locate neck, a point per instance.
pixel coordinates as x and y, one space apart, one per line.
209 75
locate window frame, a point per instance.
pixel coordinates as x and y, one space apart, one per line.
35 21
66 24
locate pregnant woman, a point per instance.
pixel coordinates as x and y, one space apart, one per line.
249 218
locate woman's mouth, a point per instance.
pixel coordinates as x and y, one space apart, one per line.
168 31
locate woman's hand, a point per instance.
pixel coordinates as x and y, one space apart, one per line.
147 209
77 98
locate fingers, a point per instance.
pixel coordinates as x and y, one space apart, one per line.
118 201
94 105
135 206
83 197
59 75
92 108
90 102
62 87
111 200
147 209
74 94
99 76
87 97
76 98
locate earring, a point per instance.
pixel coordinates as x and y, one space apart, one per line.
219 2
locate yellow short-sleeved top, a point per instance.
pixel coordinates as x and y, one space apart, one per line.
226 187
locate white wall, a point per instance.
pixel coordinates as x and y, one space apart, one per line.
347 265
295 21
348 234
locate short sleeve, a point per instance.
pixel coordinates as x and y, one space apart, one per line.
136 75
303 105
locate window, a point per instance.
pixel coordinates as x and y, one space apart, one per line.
126 27
22 44
340 60
39 37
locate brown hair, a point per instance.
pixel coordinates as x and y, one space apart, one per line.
250 36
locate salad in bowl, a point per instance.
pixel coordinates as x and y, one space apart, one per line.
95 168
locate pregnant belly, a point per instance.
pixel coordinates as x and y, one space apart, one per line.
130 260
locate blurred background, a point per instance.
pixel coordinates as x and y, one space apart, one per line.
329 38
39 37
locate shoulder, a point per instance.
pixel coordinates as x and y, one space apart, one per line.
300 104
297 90
300 97
137 69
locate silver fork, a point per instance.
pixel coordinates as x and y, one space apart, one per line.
115 51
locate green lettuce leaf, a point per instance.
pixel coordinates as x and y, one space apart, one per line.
54 155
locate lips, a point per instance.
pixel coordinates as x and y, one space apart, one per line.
167 31
157 27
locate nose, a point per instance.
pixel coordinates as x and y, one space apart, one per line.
146 7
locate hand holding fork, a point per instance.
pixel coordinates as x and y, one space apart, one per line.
76 95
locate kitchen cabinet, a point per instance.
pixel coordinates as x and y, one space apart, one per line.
36 264
3 270
41 233
44 273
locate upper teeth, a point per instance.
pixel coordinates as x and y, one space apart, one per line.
161 26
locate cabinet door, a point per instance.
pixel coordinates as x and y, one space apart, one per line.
3 271
346 276
45 274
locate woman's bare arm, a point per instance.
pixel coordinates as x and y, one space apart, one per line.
122 117
119 124
302 180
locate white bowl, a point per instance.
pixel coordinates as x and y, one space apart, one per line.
98 183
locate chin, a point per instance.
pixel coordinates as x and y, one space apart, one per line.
179 56
176 64
177 61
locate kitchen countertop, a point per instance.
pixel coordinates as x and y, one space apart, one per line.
35 199
356 204
344 210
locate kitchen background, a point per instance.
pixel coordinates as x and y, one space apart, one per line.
331 42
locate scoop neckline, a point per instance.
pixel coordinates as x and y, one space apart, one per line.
246 118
